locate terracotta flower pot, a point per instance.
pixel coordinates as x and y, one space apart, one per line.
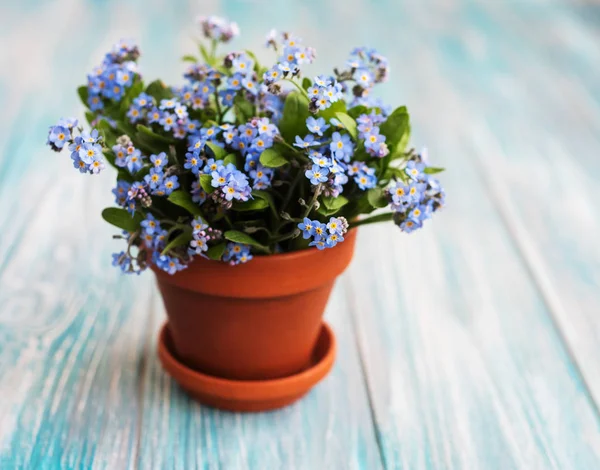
254 321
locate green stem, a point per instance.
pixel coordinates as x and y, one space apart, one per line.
316 194
213 50
218 105
293 234
302 90
297 152
290 193
373 220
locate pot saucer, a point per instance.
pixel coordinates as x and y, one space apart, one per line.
248 395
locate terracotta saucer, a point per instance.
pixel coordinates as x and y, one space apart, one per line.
248 395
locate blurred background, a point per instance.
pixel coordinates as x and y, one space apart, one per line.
472 343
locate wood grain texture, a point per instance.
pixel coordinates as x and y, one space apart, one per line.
470 354
470 345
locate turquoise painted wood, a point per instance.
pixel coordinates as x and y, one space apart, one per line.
470 345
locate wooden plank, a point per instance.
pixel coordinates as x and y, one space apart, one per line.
544 179
465 366
72 330
330 428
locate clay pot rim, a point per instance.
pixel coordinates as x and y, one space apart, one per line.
268 276
275 257
249 390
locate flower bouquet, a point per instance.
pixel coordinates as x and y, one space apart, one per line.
241 190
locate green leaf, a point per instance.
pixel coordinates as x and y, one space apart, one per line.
183 199
218 152
250 205
189 58
205 55
348 123
82 91
306 83
151 135
126 128
244 238
257 66
122 219
376 197
357 111
132 92
244 110
269 198
326 212
107 132
183 238
89 116
216 252
295 112
432 170
374 219
338 107
205 183
158 90
110 158
334 203
271 158
230 158
396 129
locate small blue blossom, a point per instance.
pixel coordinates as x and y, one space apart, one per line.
170 184
320 230
198 225
308 141
169 264
333 239
167 120
317 174
134 114
414 170
120 192
143 100
250 85
58 137
366 179
160 160
167 104
341 146
192 163
410 225
154 116
89 152
307 227
243 64
320 244
134 160
320 160
227 97
212 165
316 126
335 225
237 253
154 178
150 224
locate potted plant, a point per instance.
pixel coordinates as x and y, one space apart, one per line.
242 190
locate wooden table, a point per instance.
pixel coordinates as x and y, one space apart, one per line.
473 344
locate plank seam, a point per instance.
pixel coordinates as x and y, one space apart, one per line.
363 367
534 266
141 388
